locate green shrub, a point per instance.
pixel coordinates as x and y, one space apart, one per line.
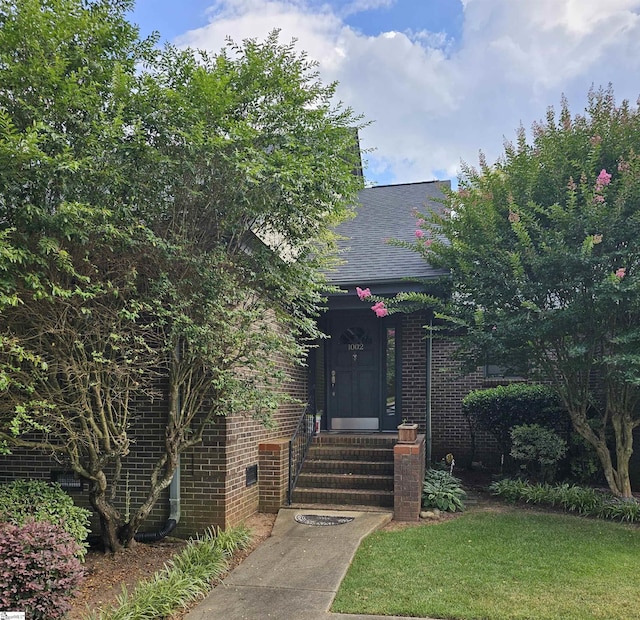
497 410
584 464
538 448
39 570
443 491
21 500
585 501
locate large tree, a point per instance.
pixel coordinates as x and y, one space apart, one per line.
544 252
163 216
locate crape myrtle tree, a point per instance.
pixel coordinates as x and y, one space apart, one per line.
543 248
164 218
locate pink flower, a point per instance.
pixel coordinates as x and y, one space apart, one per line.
620 273
513 217
604 178
419 233
428 242
595 140
420 222
363 293
379 309
598 198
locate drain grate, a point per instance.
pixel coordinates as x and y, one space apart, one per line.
322 520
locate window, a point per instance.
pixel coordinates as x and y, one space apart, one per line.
355 335
390 383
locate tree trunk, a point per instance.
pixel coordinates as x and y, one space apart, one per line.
623 429
160 480
599 444
109 516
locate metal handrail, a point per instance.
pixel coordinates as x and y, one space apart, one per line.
299 446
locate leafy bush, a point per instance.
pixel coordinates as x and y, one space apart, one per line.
585 501
443 491
497 410
22 500
538 448
186 578
39 569
584 464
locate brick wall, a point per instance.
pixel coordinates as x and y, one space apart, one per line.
148 431
450 430
274 474
414 373
214 487
408 475
214 481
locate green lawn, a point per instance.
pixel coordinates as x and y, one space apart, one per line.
498 566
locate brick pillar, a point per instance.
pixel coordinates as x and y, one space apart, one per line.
273 474
408 475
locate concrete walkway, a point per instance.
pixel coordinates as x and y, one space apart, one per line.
294 574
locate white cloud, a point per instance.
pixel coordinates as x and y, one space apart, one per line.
435 103
357 6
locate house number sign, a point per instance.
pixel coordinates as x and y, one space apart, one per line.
355 347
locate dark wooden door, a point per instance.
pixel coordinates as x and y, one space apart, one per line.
354 374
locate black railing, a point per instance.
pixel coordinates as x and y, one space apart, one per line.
299 446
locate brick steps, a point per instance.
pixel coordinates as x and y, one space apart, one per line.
350 467
343 497
349 453
347 470
345 481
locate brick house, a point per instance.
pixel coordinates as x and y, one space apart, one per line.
367 377
373 373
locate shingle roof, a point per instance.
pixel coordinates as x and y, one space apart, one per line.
385 212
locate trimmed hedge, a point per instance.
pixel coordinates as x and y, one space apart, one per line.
39 570
22 500
498 409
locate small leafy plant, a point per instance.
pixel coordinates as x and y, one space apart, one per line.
443 491
39 570
538 449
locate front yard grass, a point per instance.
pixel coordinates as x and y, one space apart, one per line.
510 565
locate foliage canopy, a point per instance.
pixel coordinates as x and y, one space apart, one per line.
544 253
161 211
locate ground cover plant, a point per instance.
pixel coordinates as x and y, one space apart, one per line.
185 579
500 565
585 501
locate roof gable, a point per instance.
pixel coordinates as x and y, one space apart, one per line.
385 212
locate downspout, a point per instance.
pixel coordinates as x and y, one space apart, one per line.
428 386
174 504
170 524
174 512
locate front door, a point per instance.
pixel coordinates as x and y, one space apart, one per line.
354 379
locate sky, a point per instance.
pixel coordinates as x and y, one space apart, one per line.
440 80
